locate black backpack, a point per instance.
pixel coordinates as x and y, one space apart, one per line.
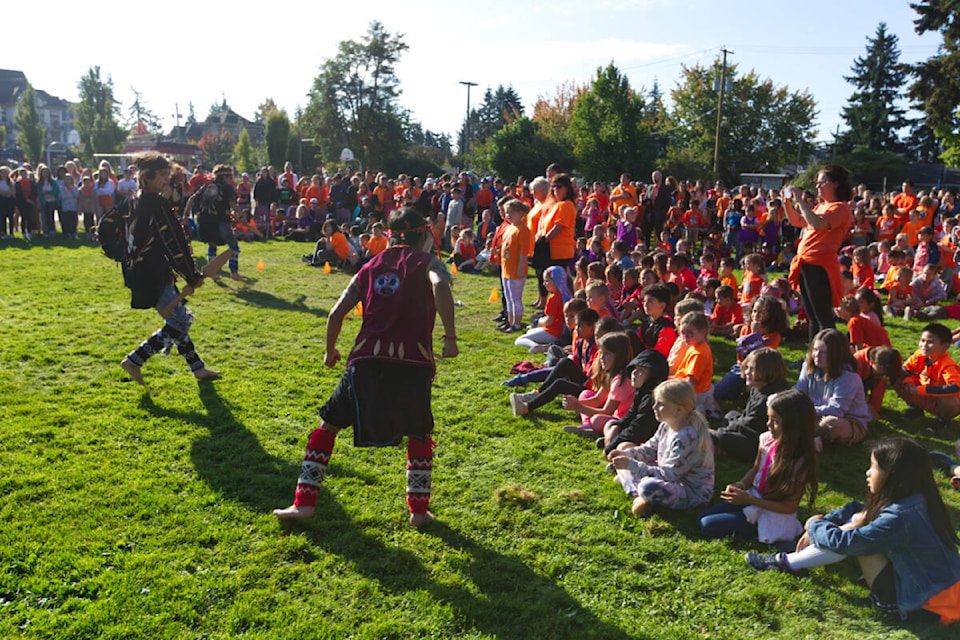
205 203
115 232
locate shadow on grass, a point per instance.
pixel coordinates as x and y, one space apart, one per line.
514 601
270 301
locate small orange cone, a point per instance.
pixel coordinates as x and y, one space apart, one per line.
326 268
453 269
260 266
358 311
494 296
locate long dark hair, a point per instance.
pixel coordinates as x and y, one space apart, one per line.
907 471
836 173
796 461
563 180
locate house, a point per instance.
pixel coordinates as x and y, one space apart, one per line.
220 118
56 114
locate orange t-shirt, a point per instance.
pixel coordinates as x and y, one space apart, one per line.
320 193
821 247
619 190
905 203
730 280
384 195
697 363
563 245
516 240
887 228
533 223
554 309
339 244
912 229
376 245
752 284
891 278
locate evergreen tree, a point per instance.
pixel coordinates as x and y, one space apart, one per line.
607 128
96 115
140 112
3 136
27 118
243 156
873 118
936 89
276 134
498 108
191 114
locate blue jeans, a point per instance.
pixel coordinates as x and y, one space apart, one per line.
730 386
723 520
180 318
226 235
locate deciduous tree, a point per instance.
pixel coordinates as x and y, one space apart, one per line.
97 115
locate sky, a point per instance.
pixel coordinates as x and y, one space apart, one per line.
214 52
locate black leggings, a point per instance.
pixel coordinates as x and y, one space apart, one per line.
816 295
567 378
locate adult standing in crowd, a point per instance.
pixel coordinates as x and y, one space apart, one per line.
660 200
815 270
540 257
560 221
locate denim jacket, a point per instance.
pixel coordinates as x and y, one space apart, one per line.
922 564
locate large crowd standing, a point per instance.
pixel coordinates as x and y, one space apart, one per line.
631 282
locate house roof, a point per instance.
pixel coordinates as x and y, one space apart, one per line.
11 85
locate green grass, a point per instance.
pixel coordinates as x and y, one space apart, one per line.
127 513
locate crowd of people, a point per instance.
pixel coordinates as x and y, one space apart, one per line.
632 282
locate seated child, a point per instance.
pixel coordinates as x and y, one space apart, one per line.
576 363
727 277
879 368
931 379
900 292
679 348
727 313
611 394
647 370
864 330
657 330
767 324
598 299
765 374
763 504
754 277
464 253
928 289
549 327
674 468
862 270
696 365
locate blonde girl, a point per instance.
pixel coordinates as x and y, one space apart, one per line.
763 504
675 467
611 393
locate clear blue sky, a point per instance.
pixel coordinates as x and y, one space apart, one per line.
533 46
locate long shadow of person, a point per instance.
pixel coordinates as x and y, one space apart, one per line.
513 600
270 301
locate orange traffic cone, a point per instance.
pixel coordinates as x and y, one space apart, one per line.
358 311
453 269
326 268
494 295
260 266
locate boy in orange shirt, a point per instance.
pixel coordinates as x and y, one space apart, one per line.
696 366
887 226
727 313
900 293
727 265
912 228
931 379
514 248
378 241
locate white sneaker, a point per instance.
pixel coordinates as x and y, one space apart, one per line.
519 406
527 397
907 313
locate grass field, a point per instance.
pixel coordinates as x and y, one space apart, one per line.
146 514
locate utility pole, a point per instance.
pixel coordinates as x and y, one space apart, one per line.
466 125
176 114
716 141
836 138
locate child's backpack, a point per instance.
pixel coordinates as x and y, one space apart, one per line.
205 204
115 233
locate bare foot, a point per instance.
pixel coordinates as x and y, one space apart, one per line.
293 512
641 508
216 277
133 371
419 519
206 374
236 276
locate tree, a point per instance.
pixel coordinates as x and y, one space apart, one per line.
217 147
96 115
191 114
872 116
762 126
243 156
353 102
3 136
606 128
265 109
31 134
140 112
520 149
936 89
874 168
498 108
553 113
276 135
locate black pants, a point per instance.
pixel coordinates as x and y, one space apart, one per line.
567 378
816 295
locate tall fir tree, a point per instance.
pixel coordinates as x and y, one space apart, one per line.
96 115
31 134
874 119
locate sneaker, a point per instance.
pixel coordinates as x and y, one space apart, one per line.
941 461
539 348
938 427
601 443
955 482
913 412
527 398
582 430
908 313
767 562
519 406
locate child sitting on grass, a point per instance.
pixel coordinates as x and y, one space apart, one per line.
657 330
611 395
765 374
727 313
931 379
647 370
674 468
879 368
464 251
763 503
549 328
696 364
900 292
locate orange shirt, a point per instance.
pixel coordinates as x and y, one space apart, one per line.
752 284
947 251
926 216
320 193
696 366
384 195
616 202
338 242
516 241
862 275
563 245
376 245
931 373
887 228
533 223
821 247
912 229
891 278
905 203
554 309
730 280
